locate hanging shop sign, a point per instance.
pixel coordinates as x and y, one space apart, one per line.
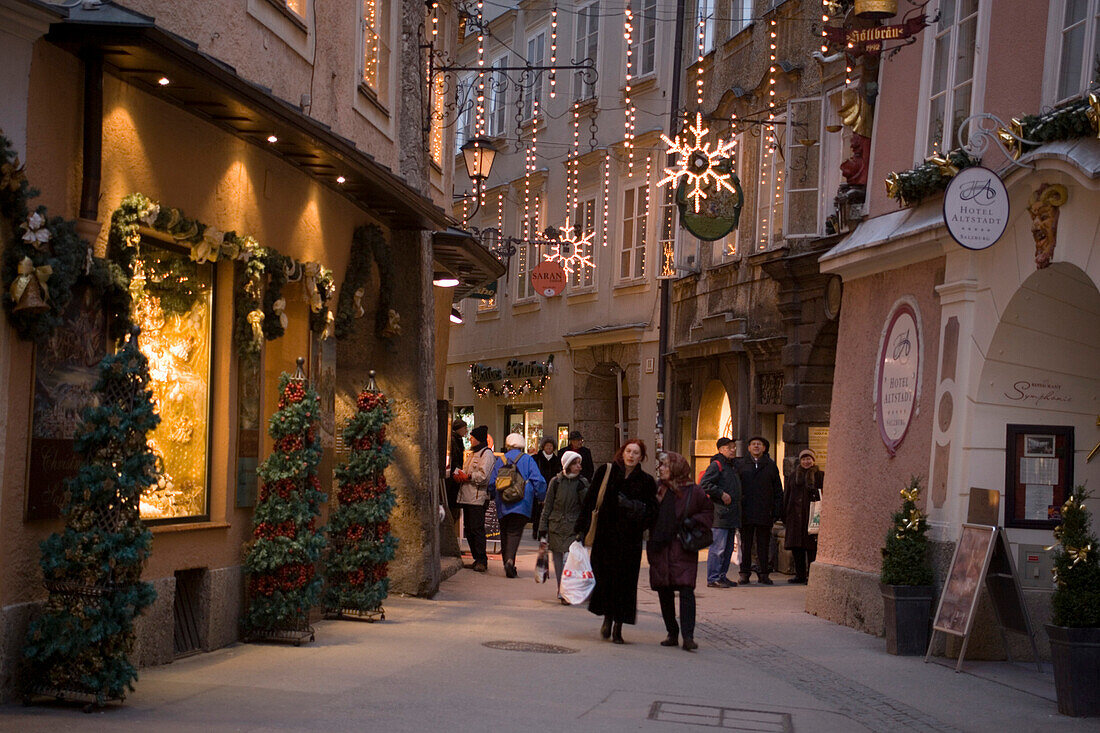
859 41
485 292
975 208
548 278
897 383
516 378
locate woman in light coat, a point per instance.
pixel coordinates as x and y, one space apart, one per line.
564 499
473 493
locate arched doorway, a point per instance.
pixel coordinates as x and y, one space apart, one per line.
1042 369
715 421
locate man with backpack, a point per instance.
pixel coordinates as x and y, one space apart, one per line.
517 483
722 484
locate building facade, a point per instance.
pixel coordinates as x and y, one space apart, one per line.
995 404
287 121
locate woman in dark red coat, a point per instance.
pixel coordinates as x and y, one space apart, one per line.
680 504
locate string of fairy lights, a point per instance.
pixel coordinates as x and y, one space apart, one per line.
701 160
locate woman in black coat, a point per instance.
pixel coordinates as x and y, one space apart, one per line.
803 486
629 503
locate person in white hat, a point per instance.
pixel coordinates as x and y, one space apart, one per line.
522 473
564 498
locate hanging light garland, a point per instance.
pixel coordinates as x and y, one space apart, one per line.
606 194
553 52
702 36
696 162
569 250
628 134
573 177
480 113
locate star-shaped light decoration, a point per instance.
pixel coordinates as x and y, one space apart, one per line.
568 249
697 163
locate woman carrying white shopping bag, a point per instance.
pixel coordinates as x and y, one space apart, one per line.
564 498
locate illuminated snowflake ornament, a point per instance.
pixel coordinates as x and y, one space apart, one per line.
697 164
569 249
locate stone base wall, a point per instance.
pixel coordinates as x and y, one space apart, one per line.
845 596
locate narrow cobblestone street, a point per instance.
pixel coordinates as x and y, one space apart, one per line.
763 665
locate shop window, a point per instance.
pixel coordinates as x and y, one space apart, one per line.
951 68
584 216
770 189
1078 43
644 47
532 88
374 36
527 421
563 435
1038 474
173 300
632 255
66 367
803 172
587 47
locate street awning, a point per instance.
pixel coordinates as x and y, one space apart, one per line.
139 52
465 258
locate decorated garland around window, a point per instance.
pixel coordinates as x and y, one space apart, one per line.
82 642
360 542
259 308
280 560
535 376
1069 121
367 243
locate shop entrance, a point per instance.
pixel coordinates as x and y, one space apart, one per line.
715 421
527 421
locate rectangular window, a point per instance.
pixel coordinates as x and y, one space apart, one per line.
952 73
527 255
704 14
769 192
174 308
803 167
376 50
584 222
668 231
1078 47
632 257
298 7
644 47
740 16
498 97
532 87
465 100
726 248
835 148
587 35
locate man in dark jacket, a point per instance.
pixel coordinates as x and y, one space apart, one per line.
456 454
761 506
722 484
576 444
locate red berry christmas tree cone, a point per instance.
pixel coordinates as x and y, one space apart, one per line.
281 558
360 542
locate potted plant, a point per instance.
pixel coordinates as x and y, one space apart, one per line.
906 578
1075 629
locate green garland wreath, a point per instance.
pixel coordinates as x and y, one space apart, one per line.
368 243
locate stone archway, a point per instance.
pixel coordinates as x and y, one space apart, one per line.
595 412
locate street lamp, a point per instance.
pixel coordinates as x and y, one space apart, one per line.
478 153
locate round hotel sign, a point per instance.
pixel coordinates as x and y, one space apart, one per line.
548 278
898 374
975 208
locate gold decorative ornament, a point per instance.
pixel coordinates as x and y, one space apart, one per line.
279 307
35 232
945 166
1093 112
256 320
29 290
12 175
1044 206
856 113
876 9
330 325
1078 554
357 301
393 325
893 186
311 271
911 494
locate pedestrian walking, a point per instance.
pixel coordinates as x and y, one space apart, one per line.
803 486
621 502
549 464
761 506
564 498
576 444
473 494
515 513
681 505
454 463
722 484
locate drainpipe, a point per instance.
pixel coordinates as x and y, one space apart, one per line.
93 136
665 292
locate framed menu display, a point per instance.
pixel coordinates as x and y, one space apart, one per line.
1038 474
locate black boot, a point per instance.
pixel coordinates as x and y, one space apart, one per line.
617 634
689 644
672 640
605 629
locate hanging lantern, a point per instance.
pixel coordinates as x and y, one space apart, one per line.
876 9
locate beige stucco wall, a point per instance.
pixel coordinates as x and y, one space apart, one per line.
863 480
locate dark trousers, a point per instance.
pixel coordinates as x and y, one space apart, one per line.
536 514
802 559
511 532
473 520
687 610
758 536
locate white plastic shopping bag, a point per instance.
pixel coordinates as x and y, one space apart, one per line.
577 580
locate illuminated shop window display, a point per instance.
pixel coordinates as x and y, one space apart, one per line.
172 302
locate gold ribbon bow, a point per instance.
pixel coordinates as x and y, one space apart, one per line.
910 494
893 186
947 169
208 248
1093 113
256 320
309 283
26 271
279 306
357 300
330 325
11 175
1078 554
915 518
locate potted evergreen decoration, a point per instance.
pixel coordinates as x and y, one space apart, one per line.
906 578
1075 631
